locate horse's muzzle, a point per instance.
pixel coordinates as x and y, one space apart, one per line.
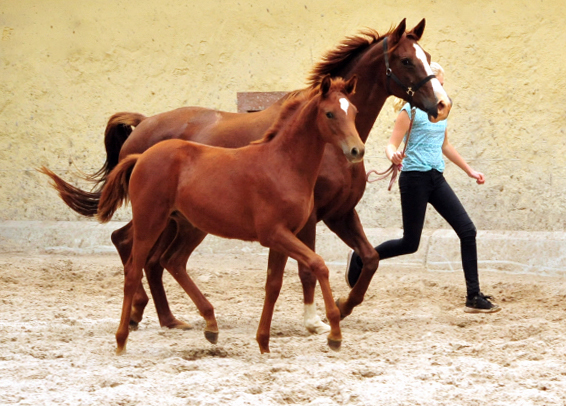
443 108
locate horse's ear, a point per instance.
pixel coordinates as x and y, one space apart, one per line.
350 85
417 32
398 32
325 85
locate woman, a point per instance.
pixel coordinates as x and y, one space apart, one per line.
421 181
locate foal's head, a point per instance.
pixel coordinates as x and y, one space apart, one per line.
336 116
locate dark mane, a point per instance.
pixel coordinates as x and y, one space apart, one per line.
293 101
344 53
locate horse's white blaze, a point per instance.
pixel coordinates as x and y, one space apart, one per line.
436 86
344 104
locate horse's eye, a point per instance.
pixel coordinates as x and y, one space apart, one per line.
406 62
329 115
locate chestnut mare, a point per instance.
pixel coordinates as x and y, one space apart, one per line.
261 192
340 184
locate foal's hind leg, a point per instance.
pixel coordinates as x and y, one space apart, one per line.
175 258
123 240
148 225
312 320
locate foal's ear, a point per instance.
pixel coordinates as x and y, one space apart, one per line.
350 85
417 32
325 85
398 32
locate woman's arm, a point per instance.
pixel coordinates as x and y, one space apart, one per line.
399 130
450 152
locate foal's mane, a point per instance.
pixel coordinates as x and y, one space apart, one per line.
344 53
293 102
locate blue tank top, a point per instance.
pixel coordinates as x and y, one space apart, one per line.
424 151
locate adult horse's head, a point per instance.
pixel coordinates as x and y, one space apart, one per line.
405 73
336 116
409 75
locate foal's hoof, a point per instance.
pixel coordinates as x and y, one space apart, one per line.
334 344
211 336
121 351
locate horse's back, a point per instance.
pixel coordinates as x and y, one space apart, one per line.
202 125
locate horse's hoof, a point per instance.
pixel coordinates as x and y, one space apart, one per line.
133 325
342 315
318 327
211 336
121 351
180 325
334 344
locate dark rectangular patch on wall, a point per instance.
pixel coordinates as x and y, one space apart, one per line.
257 101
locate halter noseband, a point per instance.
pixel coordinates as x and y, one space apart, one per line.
410 90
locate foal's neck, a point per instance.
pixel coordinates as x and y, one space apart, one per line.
301 142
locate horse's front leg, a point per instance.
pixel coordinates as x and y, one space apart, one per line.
312 320
273 283
283 240
349 228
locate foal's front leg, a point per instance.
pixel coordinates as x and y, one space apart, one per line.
284 241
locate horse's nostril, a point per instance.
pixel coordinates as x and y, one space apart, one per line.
357 153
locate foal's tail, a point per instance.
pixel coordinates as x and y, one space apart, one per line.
115 190
118 130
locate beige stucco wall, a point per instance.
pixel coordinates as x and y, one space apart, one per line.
67 66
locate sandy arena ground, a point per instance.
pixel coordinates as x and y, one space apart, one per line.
409 343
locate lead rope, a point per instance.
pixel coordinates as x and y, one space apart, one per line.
394 168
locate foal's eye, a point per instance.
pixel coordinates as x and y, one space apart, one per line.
329 115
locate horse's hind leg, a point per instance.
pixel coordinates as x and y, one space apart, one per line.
175 258
154 273
273 283
312 320
123 240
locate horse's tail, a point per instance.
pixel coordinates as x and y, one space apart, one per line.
118 130
115 190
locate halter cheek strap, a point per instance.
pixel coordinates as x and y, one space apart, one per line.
410 90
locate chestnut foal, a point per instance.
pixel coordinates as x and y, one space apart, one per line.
261 192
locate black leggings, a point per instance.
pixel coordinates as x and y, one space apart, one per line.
418 189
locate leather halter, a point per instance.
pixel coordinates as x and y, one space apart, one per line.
410 90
